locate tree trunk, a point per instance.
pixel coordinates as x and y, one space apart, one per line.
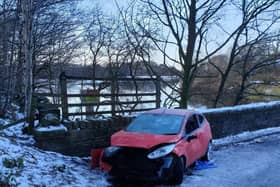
20 58
228 69
28 51
189 56
5 52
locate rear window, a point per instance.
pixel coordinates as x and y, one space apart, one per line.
156 124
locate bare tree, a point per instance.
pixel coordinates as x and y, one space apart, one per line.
27 15
8 22
255 59
55 39
250 12
184 25
34 37
96 35
184 28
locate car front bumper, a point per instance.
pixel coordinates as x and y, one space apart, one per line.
131 163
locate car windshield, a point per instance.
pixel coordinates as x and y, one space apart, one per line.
156 124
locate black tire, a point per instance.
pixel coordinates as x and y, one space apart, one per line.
178 171
207 156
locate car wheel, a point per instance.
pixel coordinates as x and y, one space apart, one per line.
178 171
208 154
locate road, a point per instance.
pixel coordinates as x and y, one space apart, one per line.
255 163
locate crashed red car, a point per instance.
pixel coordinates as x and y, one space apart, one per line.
159 145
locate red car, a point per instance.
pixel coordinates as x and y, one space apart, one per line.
159 145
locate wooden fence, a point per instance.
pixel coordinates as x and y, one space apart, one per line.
113 94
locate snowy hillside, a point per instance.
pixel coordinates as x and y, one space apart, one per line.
21 164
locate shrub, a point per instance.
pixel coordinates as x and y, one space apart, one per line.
12 163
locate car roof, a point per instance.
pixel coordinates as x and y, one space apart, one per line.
181 112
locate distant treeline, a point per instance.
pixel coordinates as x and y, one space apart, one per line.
102 70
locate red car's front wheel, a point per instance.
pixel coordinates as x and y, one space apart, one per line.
178 168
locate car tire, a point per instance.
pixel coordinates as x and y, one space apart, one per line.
178 171
208 154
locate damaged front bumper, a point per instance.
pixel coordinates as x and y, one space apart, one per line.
133 163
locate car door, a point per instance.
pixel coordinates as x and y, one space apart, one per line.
192 140
203 133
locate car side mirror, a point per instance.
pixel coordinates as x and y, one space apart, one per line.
191 137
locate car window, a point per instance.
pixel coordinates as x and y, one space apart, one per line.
156 124
200 119
192 124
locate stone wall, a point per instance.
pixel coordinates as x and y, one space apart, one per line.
82 136
233 120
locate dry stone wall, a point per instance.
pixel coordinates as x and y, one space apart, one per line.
233 120
81 136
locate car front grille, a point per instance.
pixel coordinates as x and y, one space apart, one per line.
134 161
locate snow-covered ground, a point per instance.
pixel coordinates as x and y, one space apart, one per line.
245 136
255 163
22 164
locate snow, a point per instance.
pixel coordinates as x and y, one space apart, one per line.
52 128
254 163
42 168
3 122
245 136
45 168
15 132
19 115
241 107
23 165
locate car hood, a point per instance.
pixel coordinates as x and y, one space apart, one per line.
141 140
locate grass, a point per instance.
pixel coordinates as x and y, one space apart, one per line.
265 93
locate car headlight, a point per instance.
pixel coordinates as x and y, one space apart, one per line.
162 151
110 151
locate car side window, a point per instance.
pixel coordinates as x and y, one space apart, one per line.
200 119
192 124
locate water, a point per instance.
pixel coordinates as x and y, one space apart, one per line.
76 87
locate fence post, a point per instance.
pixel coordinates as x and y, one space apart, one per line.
63 92
113 97
158 80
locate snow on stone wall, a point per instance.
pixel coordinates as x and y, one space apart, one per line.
233 120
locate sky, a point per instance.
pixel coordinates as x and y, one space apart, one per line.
230 19
109 5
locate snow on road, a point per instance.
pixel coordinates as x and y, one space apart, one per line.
21 164
255 163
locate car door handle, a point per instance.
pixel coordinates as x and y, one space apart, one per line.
191 137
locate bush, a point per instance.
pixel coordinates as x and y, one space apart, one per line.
12 163
60 168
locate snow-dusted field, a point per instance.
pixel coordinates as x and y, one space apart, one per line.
21 164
